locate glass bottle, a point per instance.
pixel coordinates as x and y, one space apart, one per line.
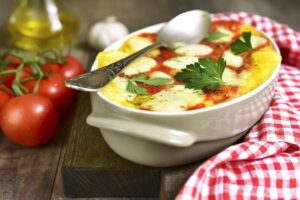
39 24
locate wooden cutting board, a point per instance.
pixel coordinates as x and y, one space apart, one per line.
91 169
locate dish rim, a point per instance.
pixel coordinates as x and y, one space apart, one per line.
155 28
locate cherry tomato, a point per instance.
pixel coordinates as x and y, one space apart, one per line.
71 68
27 71
14 60
29 120
54 88
51 68
4 98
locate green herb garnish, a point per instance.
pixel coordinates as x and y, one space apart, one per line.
215 35
204 74
134 88
240 46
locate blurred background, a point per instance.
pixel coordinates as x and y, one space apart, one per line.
90 11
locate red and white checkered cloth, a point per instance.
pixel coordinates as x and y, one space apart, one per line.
266 165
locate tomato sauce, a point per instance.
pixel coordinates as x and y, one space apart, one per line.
164 55
162 68
224 93
152 89
218 49
263 46
231 25
198 106
151 36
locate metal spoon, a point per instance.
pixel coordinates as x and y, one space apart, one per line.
188 27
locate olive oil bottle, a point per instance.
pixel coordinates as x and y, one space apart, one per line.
39 24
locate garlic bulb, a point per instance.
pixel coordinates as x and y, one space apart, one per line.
105 32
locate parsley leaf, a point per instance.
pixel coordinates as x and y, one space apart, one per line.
133 88
215 35
240 46
154 81
204 74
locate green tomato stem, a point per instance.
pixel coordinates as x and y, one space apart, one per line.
16 55
16 83
22 87
29 78
38 69
8 72
16 89
36 86
57 55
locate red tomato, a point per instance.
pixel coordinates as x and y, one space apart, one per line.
54 88
29 120
71 68
4 98
27 71
51 68
14 60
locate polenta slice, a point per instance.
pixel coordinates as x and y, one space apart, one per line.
137 43
264 63
108 57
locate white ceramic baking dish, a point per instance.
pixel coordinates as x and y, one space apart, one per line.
174 138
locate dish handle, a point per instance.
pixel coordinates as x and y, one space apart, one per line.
151 132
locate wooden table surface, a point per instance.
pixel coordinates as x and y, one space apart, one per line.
35 173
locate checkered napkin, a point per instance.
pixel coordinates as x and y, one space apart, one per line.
266 165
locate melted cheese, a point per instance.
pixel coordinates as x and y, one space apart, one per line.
179 63
233 60
230 77
257 41
140 65
159 74
228 35
194 50
177 98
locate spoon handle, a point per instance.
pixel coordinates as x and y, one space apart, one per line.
94 80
